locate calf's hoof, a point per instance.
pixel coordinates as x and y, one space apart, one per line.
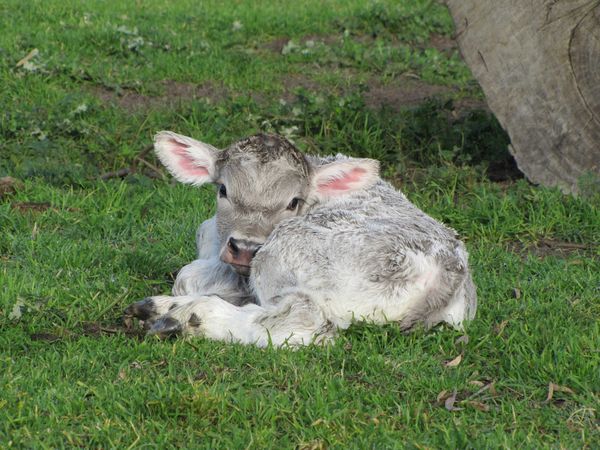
143 310
166 327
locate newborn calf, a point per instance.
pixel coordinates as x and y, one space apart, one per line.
301 246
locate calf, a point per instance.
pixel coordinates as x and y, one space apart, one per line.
301 246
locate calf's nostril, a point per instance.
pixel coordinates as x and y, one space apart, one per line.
233 246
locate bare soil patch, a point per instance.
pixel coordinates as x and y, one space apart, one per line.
443 44
276 45
291 83
464 105
401 93
172 93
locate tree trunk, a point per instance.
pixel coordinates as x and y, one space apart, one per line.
538 63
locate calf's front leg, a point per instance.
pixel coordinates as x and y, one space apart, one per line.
293 320
200 277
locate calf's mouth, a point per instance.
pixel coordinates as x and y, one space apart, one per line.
241 269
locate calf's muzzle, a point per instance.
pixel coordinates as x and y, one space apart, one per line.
239 254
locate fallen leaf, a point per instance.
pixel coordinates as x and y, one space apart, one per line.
32 54
566 389
488 387
552 388
442 396
455 362
550 392
449 403
499 327
9 185
478 405
516 292
477 383
462 340
122 374
135 365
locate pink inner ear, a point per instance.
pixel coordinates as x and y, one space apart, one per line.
185 162
343 183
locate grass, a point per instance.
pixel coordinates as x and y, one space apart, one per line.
75 248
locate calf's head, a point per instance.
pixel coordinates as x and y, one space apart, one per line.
260 181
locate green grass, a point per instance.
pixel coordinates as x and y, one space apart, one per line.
75 250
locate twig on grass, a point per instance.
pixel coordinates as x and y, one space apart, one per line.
133 168
32 54
192 345
156 171
116 174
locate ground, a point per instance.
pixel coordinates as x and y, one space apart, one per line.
91 222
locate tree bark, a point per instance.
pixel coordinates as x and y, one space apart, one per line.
538 63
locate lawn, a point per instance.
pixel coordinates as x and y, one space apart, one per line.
94 223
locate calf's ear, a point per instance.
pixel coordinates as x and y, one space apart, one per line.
344 177
190 161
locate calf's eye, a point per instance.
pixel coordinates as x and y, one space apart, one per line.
293 204
222 191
